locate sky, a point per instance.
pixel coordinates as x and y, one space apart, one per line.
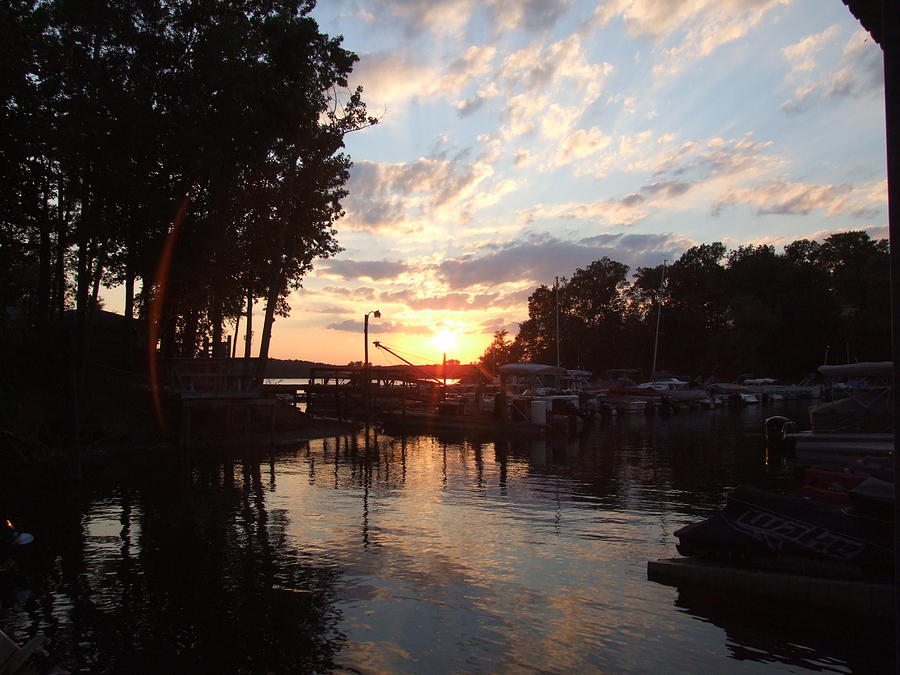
520 140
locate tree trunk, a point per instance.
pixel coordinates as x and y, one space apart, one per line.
97 276
248 337
189 337
237 329
61 245
45 282
129 289
215 318
276 281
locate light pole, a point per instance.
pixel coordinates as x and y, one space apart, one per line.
377 314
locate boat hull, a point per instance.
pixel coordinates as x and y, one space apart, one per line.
790 533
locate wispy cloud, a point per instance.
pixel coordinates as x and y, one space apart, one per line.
549 87
696 27
361 293
859 73
802 55
539 258
376 270
450 17
404 197
377 327
791 198
392 77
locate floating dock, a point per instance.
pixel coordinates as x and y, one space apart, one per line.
851 596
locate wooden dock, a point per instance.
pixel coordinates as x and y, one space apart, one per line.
218 385
356 392
850 596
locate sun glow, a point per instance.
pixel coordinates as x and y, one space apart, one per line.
446 341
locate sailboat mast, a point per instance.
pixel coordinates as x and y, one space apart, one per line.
662 281
557 321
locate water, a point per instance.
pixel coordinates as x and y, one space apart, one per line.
412 554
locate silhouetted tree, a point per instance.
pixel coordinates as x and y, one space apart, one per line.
499 352
749 310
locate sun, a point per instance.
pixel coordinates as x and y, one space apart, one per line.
445 340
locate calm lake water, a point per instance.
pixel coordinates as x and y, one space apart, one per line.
381 552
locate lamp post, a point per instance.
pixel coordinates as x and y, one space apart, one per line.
377 314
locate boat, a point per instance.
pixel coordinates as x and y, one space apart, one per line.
27 659
829 543
527 397
746 398
535 393
844 429
791 533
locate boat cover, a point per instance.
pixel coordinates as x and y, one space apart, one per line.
866 411
865 369
792 534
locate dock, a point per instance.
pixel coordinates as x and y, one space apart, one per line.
217 385
859 597
352 392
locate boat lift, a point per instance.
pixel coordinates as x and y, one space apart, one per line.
407 362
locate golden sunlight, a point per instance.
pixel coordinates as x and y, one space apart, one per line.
446 341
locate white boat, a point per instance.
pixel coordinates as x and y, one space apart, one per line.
745 398
673 391
535 391
846 429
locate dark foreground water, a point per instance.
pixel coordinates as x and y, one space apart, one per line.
416 554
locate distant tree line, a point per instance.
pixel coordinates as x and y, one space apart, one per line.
188 151
721 313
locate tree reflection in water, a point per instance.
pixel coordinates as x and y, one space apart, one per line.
148 572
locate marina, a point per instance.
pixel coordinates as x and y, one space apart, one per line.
663 268
390 551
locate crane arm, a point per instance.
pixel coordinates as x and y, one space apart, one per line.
407 362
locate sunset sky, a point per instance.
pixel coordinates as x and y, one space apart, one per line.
522 139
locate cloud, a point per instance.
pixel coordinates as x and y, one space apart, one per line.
376 270
491 326
859 73
395 76
447 17
325 309
699 26
451 17
361 293
539 258
579 144
391 77
697 162
406 196
530 15
616 211
549 87
379 327
453 301
449 302
691 175
786 198
563 63
499 323
801 55
667 188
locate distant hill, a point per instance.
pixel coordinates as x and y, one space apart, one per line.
291 368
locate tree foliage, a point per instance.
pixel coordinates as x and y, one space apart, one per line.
205 134
721 313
